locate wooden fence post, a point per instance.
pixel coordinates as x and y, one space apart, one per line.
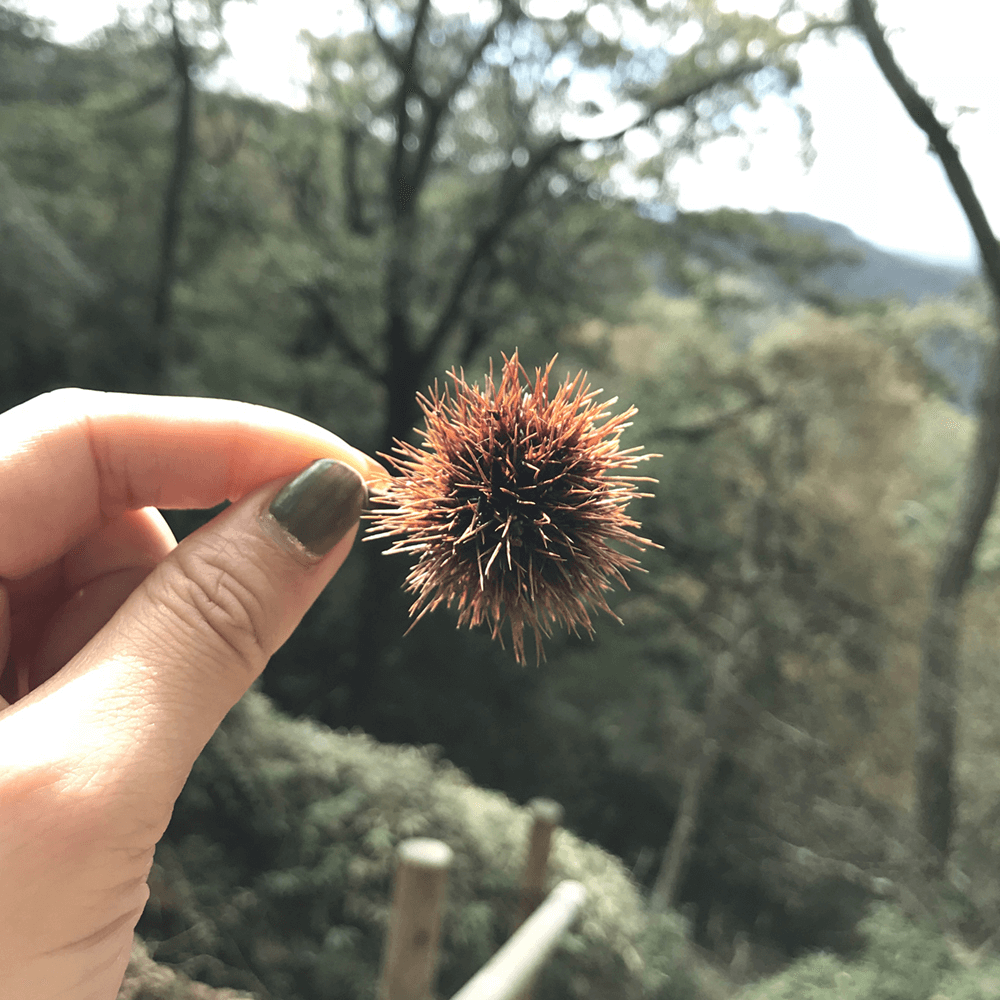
516 964
411 949
546 816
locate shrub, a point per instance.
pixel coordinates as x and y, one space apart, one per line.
275 874
903 960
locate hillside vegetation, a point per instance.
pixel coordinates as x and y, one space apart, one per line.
297 904
333 262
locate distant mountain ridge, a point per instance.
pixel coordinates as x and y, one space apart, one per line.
881 273
758 269
957 354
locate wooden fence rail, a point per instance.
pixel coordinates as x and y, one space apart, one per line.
515 965
411 950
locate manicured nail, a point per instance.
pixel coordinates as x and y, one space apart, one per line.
320 505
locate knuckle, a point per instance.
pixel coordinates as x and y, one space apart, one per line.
222 606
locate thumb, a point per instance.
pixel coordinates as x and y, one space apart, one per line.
94 759
127 717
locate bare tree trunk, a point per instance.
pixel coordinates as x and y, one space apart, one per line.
937 706
172 218
729 672
699 774
354 206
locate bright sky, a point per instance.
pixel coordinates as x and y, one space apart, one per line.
872 172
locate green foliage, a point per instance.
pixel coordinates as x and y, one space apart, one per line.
296 902
903 960
801 420
42 284
669 972
336 260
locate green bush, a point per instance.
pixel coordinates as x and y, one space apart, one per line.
275 875
903 960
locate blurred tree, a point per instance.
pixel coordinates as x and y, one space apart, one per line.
79 135
820 721
468 139
303 278
728 673
204 22
935 751
480 157
182 59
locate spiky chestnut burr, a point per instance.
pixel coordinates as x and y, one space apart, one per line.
513 502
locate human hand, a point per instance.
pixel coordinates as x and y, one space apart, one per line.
121 651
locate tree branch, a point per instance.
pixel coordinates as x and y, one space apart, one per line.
335 333
173 199
699 430
511 200
516 181
400 192
514 184
437 106
682 97
391 52
729 75
354 208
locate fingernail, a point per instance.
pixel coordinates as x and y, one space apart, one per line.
320 505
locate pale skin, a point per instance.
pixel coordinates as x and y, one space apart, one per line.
121 651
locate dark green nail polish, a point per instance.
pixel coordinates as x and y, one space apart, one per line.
320 505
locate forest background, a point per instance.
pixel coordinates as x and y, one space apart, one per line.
450 193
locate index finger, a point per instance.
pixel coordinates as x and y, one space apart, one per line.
72 458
